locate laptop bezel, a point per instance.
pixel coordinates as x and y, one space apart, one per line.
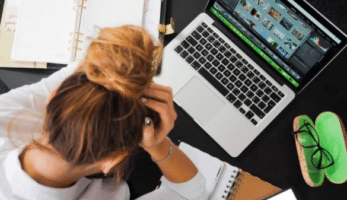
317 69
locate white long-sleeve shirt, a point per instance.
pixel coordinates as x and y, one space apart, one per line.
22 109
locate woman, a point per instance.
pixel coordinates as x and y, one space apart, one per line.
94 115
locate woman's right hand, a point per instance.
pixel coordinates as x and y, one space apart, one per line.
160 99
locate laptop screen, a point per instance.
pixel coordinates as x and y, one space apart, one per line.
283 33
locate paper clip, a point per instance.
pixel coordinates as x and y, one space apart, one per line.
167 29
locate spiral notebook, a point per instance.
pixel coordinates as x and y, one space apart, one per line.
56 31
224 181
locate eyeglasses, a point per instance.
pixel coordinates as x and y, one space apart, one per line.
307 137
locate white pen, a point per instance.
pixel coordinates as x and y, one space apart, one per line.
220 172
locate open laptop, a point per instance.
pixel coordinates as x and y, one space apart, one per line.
236 66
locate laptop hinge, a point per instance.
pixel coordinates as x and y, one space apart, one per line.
247 50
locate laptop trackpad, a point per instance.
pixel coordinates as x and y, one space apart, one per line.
199 101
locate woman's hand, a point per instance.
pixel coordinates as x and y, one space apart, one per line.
160 99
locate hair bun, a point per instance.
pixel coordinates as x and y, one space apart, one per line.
123 59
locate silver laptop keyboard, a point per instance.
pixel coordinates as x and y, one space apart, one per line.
229 73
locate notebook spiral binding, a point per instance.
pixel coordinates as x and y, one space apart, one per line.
232 189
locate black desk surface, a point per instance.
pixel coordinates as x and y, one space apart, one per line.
272 155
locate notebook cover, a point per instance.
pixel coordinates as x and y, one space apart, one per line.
249 187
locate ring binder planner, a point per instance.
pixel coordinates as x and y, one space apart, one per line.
224 181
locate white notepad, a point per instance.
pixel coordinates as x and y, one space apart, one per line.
50 30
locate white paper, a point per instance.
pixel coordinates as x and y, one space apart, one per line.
43 31
152 18
286 195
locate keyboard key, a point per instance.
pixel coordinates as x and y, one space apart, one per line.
208 46
205 34
221 68
238 56
242 97
209 30
280 94
260 93
236 72
232 50
222 49
221 40
245 61
211 39
213 70
242 110
275 97
230 86
248 82
255 99
271 103
225 62
249 114
207 65
196 35
231 98
203 41
274 88
233 59
265 98
210 57
225 81
244 89
219 76
250 75
232 78
268 90
216 63
191 41
227 46
178 49
219 56
238 83
231 67
227 54
268 108
262 77
262 85
242 77
202 60
204 53
250 94
227 73
236 92
244 69
250 66
197 55
199 47
213 81
216 35
254 121
204 24
261 105
191 50
200 29
247 102
256 80
214 51
238 104
257 111
189 59
184 54
216 44
239 64
254 88
268 83
256 72
196 65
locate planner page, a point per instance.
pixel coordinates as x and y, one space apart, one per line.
43 31
151 18
107 13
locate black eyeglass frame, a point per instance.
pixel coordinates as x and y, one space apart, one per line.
317 144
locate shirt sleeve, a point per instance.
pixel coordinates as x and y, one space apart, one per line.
194 189
22 109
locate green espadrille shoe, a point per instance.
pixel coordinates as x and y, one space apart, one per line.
306 140
333 138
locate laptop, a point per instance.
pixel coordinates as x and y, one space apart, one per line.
236 66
